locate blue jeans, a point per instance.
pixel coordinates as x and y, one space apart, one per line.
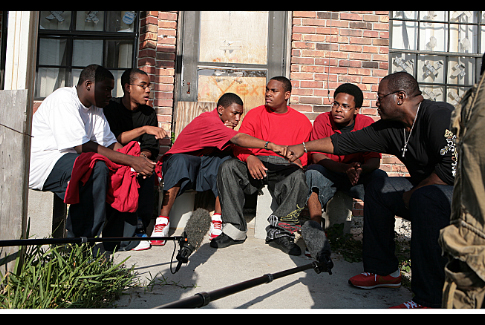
429 211
328 183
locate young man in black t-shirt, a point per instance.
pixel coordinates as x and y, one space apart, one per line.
131 119
417 132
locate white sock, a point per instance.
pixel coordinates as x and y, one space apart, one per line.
161 219
216 217
395 274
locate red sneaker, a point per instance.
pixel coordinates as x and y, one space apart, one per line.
160 230
215 229
368 280
409 305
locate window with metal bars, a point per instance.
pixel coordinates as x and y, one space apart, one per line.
441 49
71 40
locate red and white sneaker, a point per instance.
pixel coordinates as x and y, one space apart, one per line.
409 305
143 244
215 229
162 225
368 280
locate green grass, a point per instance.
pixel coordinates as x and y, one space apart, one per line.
65 276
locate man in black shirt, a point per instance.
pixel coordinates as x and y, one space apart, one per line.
131 119
417 132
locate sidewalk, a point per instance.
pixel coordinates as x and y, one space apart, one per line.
211 269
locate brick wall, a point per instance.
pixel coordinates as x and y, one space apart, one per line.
331 48
156 56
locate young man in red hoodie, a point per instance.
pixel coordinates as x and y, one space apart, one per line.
195 157
277 122
348 173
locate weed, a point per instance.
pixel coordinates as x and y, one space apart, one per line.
64 277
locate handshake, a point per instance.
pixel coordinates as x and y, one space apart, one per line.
292 153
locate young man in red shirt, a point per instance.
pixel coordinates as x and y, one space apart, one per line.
254 168
348 173
195 157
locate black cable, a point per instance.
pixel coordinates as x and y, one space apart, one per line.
78 240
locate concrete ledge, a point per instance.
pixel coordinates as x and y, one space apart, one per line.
47 214
339 210
182 209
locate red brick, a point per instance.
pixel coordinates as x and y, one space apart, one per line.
313 37
299 61
327 30
301 108
306 14
311 84
360 40
349 78
347 16
313 22
302 91
303 45
359 71
168 15
370 49
350 48
352 32
301 76
303 29
312 68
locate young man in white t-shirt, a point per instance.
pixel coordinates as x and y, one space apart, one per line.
69 122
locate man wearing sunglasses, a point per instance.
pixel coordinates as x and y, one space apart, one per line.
417 132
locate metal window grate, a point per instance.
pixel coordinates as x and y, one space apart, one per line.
442 49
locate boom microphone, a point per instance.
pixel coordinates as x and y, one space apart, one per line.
196 228
317 244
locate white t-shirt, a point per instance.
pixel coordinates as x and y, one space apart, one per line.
60 123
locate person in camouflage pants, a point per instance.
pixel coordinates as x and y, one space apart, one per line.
463 241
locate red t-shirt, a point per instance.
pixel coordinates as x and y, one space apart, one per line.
324 126
205 133
288 128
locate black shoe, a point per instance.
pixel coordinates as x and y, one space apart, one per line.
288 246
224 240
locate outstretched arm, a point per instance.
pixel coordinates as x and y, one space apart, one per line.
246 141
324 145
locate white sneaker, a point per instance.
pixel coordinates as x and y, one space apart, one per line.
215 228
143 245
162 225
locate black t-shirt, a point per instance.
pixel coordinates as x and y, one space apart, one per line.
121 119
431 146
